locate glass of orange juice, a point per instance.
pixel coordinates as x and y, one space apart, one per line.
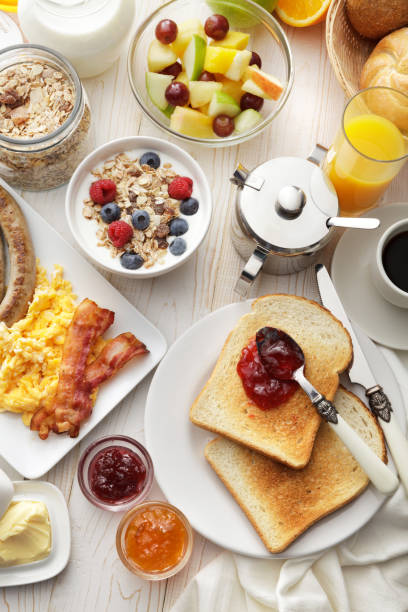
369 149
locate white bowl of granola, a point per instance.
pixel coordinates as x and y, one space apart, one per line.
138 206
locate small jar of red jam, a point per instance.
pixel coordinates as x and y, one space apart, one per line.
115 472
154 540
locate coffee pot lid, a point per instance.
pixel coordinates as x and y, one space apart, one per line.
285 203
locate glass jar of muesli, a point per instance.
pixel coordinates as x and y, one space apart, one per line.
44 118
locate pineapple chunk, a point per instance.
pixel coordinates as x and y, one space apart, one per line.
218 59
191 122
233 40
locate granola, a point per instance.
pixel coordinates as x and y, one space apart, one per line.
36 100
139 187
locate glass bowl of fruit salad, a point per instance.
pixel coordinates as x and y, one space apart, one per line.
213 72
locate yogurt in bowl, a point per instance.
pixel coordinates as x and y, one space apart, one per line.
138 206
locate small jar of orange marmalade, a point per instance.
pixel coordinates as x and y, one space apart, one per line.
154 540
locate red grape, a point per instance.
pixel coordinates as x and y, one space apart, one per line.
206 76
216 27
255 59
166 31
173 70
223 125
177 94
249 100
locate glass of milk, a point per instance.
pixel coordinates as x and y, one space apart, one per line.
89 33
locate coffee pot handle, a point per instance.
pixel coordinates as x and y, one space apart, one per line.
318 154
251 270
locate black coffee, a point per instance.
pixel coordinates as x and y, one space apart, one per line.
395 260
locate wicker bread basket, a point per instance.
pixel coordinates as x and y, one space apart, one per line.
347 50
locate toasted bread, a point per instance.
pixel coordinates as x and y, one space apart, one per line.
282 503
285 433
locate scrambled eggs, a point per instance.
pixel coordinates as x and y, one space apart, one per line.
31 349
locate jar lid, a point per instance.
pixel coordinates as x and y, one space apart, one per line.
286 202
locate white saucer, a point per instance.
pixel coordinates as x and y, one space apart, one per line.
61 535
380 320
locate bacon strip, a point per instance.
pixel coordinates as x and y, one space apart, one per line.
115 354
72 398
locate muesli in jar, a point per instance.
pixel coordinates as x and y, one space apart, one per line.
44 118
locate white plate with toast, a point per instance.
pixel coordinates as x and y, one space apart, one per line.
19 446
177 446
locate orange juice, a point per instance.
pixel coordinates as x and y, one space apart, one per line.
361 173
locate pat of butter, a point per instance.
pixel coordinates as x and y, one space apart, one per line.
25 533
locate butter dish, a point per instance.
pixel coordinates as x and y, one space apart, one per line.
55 562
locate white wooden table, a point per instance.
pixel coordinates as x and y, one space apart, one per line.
95 579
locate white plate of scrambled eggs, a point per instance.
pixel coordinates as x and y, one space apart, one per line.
31 350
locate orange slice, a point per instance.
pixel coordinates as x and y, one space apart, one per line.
302 13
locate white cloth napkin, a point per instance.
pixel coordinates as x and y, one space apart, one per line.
368 572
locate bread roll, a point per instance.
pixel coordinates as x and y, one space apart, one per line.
376 18
387 66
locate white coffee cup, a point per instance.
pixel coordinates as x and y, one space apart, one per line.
382 282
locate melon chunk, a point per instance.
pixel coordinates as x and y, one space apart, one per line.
159 56
185 32
201 92
191 122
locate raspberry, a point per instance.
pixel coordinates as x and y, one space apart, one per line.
181 188
102 191
120 233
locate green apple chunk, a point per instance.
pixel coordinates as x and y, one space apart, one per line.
201 92
246 120
159 56
223 104
194 57
238 66
191 122
156 85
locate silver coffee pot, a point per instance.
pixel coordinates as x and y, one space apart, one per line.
285 214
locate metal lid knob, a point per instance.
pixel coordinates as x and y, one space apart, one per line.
290 201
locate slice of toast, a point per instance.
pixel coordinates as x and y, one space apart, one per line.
282 503
285 433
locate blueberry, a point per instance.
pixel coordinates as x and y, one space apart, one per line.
131 260
178 246
140 219
150 159
110 212
178 227
189 206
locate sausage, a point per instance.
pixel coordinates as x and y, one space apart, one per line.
22 274
2 266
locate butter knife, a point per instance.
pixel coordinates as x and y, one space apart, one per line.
360 373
